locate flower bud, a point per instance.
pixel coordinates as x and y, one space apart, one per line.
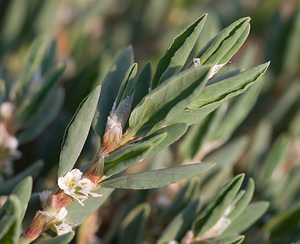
115 125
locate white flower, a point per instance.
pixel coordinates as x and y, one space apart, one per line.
57 221
77 187
62 228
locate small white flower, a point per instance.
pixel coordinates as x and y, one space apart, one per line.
62 214
196 62
57 221
62 228
77 187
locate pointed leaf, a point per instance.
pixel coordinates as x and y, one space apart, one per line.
242 204
163 102
43 120
77 213
217 208
252 213
239 111
223 46
77 132
133 153
133 224
127 84
216 94
23 192
185 195
181 223
34 103
276 156
229 240
110 88
156 178
220 90
142 85
177 54
32 171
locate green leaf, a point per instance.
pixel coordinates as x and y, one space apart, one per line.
223 89
195 138
12 207
229 240
217 208
43 120
5 223
284 103
34 103
164 102
260 143
110 88
284 223
276 156
131 154
142 85
218 93
214 183
63 239
127 84
31 64
289 191
132 226
180 224
77 213
23 192
77 132
10 184
242 204
223 46
177 54
156 178
252 213
291 54
186 194
239 111
12 23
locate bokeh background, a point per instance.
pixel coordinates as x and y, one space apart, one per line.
89 34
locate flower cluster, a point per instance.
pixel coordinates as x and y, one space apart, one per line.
77 187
